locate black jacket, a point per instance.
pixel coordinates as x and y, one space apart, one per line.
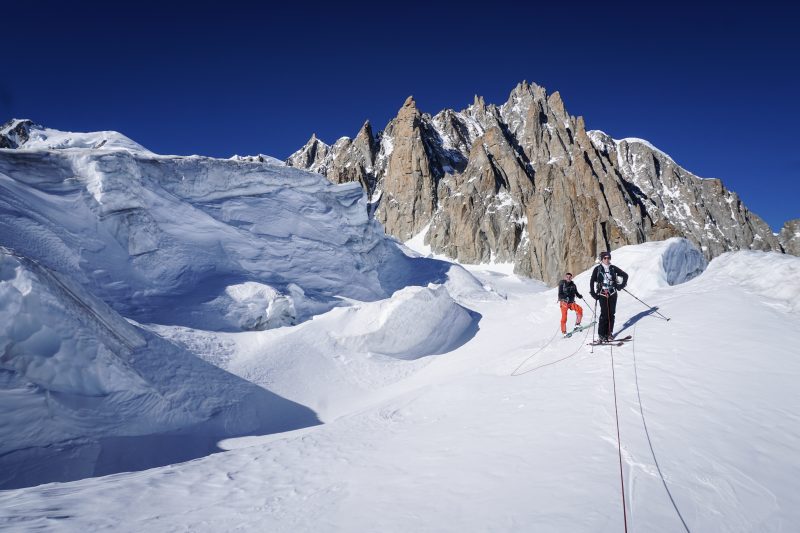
567 291
596 281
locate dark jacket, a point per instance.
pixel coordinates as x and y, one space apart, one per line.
596 281
567 291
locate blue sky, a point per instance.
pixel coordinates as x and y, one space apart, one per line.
717 88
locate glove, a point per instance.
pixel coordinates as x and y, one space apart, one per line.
594 295
621 287
579 295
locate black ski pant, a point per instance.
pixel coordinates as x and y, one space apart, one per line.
608 306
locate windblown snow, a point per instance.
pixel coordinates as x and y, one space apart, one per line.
252 317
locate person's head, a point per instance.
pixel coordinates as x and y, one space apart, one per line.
568 276
605 257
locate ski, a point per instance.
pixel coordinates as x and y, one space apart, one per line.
578 329
614 342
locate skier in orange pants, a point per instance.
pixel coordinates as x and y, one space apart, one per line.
567 291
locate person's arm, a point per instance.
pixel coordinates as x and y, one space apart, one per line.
592 283
621 273
561 292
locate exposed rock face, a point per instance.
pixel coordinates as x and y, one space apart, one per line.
14 133
354 160
314 156
526 183
347 160
790 237
408 190
700 209
481 215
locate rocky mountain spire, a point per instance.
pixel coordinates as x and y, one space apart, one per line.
409 182
312 156
354 159
526 183
480 216
790 236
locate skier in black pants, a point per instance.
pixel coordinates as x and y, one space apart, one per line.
603 287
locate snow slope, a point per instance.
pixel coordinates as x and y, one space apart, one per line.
86 393
103 243
515 429
143 230
342 359
26 135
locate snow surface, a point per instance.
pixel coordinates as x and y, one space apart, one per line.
636 140
86 393
600 140
41 138
260 158
448 399
100 249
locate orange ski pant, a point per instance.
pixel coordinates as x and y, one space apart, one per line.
564 307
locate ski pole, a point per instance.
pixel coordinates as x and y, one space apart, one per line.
593 325
648 306
589 308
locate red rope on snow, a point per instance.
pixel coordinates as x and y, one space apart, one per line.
619 447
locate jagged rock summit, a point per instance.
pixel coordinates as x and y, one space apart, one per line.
525 182
790 236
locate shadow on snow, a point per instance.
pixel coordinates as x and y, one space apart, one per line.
636 318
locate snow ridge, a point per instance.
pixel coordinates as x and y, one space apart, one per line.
24 134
